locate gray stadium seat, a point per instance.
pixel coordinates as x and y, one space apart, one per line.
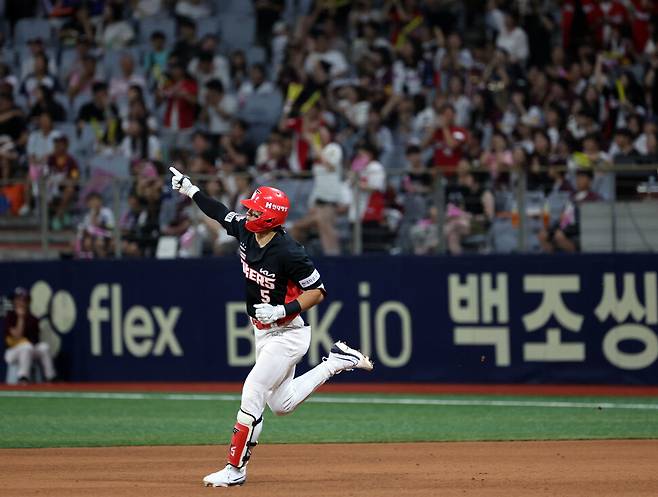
237 32
116 165
111 60
262 108
256 55
262 113
68 129
66 60
31 27
635 226
243 7
209 25
556 202
298 191
504 236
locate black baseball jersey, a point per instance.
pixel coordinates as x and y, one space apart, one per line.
277 273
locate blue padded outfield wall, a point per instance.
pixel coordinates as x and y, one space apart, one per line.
487 319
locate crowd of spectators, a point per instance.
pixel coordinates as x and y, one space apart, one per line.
361 110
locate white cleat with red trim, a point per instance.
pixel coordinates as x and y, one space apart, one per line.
227 477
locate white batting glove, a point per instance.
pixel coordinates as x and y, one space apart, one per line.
267 314
182 183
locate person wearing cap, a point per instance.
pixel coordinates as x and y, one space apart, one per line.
22 339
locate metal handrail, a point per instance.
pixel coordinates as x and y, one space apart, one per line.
357 247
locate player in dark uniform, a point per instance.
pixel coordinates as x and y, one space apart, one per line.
282 282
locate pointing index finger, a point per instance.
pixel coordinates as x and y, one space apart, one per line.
175 171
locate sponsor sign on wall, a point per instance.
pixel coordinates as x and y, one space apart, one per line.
558 319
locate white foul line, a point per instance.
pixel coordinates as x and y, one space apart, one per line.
321 399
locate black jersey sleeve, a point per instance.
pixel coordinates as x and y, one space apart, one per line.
219 212
300 269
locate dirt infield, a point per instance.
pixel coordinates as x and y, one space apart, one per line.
491 469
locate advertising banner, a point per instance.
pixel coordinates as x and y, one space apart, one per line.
479 319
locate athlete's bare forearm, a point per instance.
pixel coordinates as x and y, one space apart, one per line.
310 298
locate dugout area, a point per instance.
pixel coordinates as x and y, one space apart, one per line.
139 440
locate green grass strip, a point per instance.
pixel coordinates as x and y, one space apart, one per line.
78 419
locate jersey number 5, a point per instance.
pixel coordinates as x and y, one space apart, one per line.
264 295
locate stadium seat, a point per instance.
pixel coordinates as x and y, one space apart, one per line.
504 237
261 112
31 27
240 7
150 24
78 102
111 60
237 32
555 203
66 59
209 25
256 55
298 191
262 108
116 165
69 130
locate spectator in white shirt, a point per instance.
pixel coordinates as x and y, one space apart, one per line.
39 77
325 198
513 39
321 53
27 63
40 141
139 143
255 84
406 71
369 176
40 145
115 32
219 108
119 85
193 9
208 66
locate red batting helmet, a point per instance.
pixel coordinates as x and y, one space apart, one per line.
272 203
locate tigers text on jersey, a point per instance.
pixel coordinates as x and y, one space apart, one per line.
277 273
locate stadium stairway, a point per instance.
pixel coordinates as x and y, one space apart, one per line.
20 239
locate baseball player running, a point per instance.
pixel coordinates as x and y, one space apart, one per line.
281 283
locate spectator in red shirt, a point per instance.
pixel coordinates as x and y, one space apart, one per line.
448 141
641 19
179 93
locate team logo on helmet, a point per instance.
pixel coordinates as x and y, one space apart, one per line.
272 203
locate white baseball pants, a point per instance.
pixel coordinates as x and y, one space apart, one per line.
25 353
272 379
